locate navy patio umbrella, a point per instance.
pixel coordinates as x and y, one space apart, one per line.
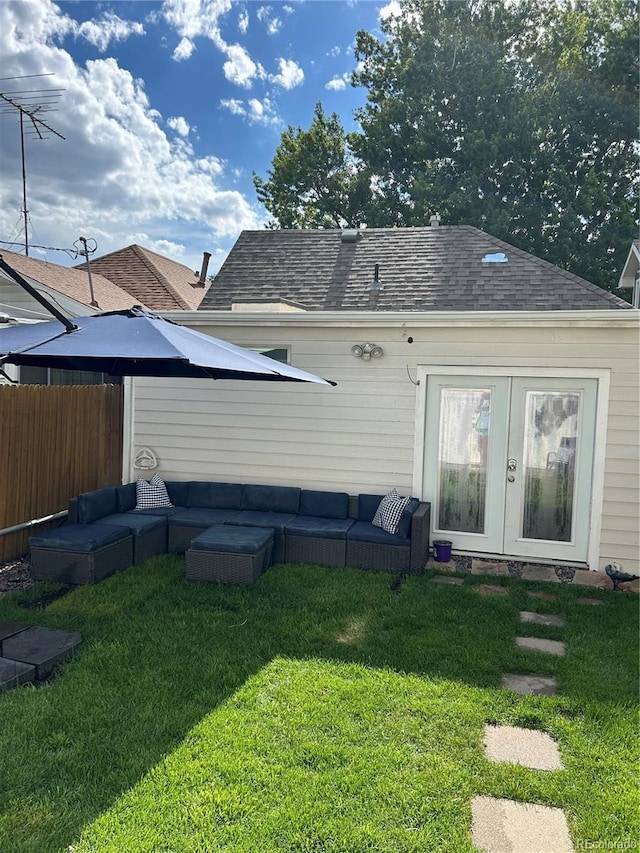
134 342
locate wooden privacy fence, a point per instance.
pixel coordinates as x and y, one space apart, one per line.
55 442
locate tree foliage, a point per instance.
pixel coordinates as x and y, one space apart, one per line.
516 117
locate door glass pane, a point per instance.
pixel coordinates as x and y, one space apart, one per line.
550 442
462 458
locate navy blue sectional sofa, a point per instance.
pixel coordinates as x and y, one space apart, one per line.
328 528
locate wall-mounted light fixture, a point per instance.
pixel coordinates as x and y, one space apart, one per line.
366 351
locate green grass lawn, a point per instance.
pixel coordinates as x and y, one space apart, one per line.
319 710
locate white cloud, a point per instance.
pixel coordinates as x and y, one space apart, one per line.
184 50
243 21
108 28
339 83
391 10
254 111
179 124
117 172
335 51
240 68
290 76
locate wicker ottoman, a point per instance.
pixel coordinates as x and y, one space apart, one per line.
228 554
80 553
149 533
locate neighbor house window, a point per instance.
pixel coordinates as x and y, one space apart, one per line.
56 376
281 354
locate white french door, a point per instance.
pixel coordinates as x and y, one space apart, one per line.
508 463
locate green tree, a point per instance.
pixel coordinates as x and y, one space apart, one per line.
314 182
519 118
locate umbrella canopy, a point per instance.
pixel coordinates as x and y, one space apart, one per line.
135 342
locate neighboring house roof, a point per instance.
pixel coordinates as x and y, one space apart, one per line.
418 269
158 282
631 267
72 283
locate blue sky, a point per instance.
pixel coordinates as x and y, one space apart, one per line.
167 109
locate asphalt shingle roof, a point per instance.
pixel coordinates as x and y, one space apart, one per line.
419 269
73 283
155 281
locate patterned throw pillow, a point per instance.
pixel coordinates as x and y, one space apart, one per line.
389 511
151 494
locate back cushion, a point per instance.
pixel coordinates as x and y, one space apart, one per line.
96 504
215 495
271 498
324 504
125 497
367 506
178 492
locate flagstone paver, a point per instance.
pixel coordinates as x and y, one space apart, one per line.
540 573
589 601
506 826
541 618
537 644
491 589
595 580
527 747
434 566
449 580
486 567
542 596
530 684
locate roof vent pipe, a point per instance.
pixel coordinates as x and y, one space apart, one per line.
203 270
434 221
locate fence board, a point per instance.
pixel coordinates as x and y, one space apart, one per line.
55 442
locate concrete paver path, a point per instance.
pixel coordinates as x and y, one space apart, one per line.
537 644
506 826
530 684
541 618
527 747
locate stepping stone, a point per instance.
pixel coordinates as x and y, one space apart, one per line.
540 573
530 685
527 747
590 601
444 579
537 644
630 586
486 567
10 629
44 648
541 618
543 596
595 580
13 673
434 566
491 589
505 826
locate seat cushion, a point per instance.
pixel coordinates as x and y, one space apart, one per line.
82 538
232 540
136 522
166 511
277 521
200 517
327 528
271 498
364 531
215 495
324 504
92 506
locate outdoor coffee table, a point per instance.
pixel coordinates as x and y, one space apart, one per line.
229 554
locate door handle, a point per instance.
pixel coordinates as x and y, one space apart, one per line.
512 464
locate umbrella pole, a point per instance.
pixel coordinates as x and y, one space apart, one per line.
15 275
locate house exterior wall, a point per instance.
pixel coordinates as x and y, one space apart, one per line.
18 303
365 434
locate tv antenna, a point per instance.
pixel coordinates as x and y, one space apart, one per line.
31 105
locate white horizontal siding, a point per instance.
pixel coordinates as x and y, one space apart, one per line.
361 435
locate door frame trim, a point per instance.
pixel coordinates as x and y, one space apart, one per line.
603 378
